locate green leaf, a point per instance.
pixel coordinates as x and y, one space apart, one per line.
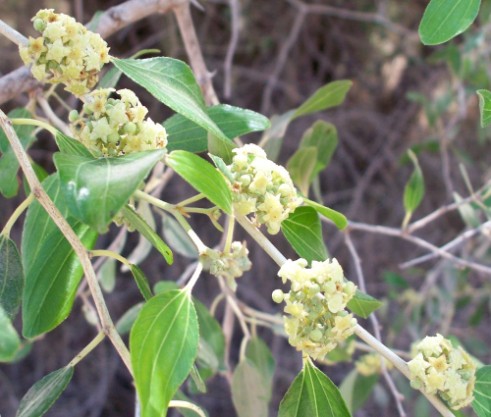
172 82
301 167
126 321
203 177
136 221
482 390
363 304
233 121
178 238
211 353
9 185
356 389
415 187
330 95
44 393
163 346
141 281
71 146
41 174
52 270
248 391
336 217
484 106
258 353
303 230
323 137
312 394
96 189
445 19
9 339
11 277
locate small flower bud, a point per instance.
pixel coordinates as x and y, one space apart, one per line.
278 296
73 116
39 25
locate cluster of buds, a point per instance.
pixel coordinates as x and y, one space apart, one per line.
371 364
261 187
229 265
113 127
440 368
66 52
317 319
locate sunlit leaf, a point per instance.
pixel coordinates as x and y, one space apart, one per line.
141 281
301 167
336 217
415 188
203 177
482 392
303 230
363 304
330 95
484 106
163 346
445 19
52 270
71 146
312 394
96 189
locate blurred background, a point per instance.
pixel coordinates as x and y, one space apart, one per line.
405 96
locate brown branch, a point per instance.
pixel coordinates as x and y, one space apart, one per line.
114 19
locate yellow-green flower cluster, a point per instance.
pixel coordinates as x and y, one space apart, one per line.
370 364
317 320
66 52
229 265
440 368
261 187
116 126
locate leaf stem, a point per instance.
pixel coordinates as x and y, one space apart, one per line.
87 349
230 234
16 214
110 254
194 278
190 200
34 122
188 405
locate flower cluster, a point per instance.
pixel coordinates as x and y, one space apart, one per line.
370 364
230 265
112 127
261 187
440 368
66 52
317 320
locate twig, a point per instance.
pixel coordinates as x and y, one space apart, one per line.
11 34
193 49
70 236
51 115
459 240
282 58
227 65
389 231
398 397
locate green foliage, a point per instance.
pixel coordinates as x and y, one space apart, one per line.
301 168
363 304
86 182
482 396
9 339
414 190
70 146
163 346
186 135
9 186
336 217
248 391
312 394
172 82
484 107
357 388
11 277
141 281
52 270
445 19
43 394
304 232
203 177
137 222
